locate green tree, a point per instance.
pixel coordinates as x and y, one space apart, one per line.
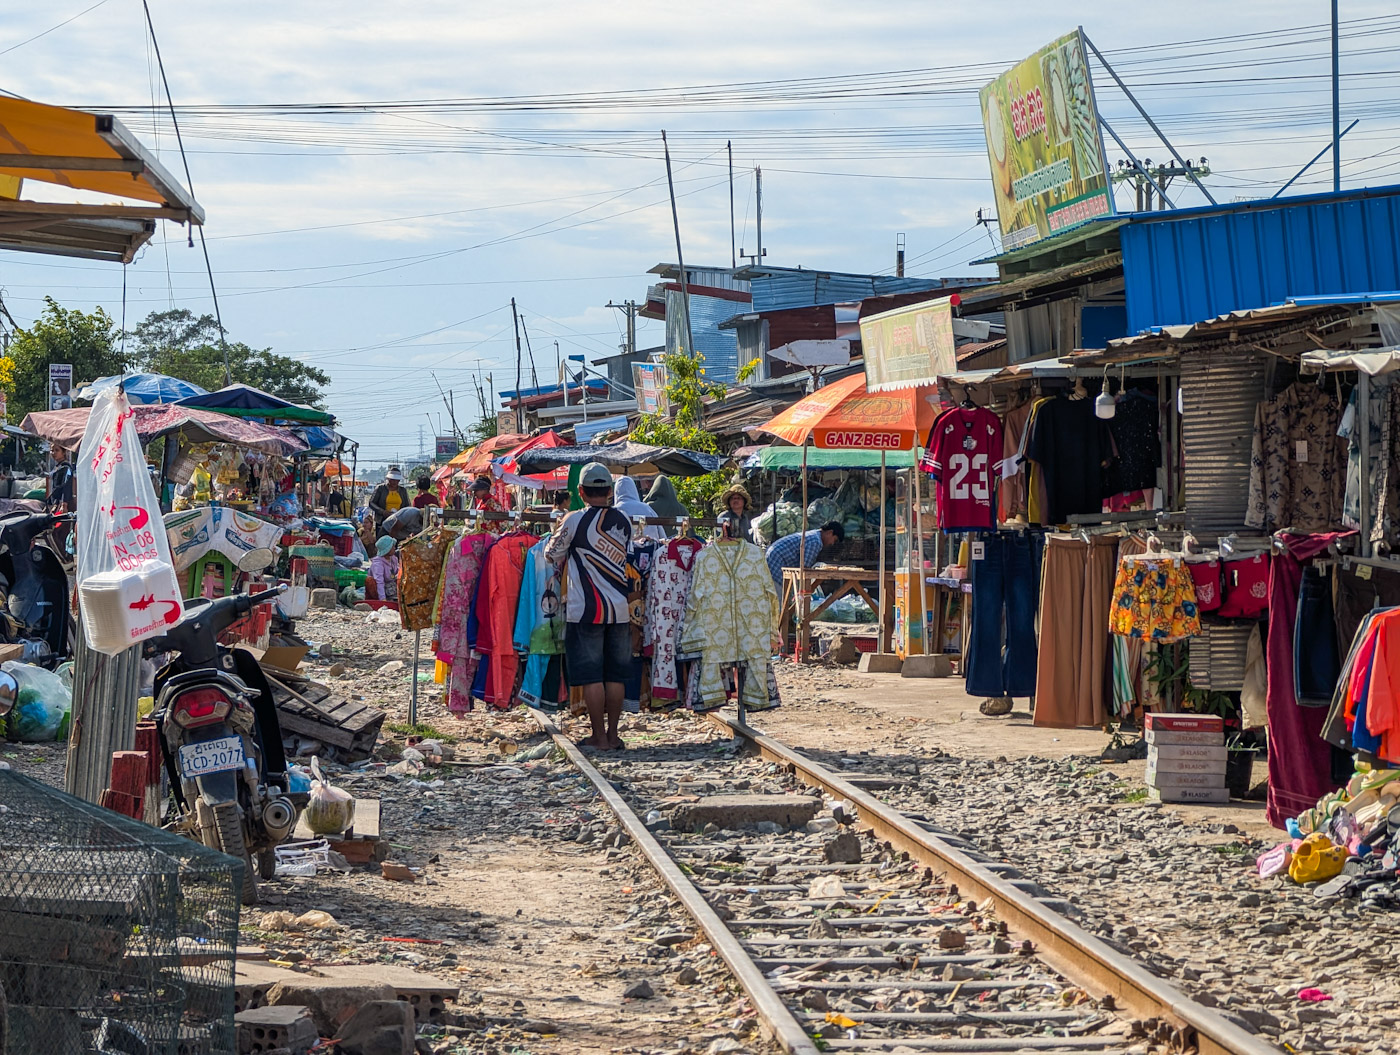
181 344
687 388
87 340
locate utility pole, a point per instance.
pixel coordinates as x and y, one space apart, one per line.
680 259
729 148
1151 181
534 378
558 370
447 402
758 210
519 407
629 309
899 256
1336 105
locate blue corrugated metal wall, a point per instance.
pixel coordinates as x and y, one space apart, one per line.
1196 264
719 347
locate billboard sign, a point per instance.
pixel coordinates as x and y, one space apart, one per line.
1045 144
446 447
60 386
649 382
909 346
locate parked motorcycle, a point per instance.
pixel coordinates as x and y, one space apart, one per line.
220 738
36 586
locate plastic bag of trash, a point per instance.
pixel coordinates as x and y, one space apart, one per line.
329 810
849 609
41 710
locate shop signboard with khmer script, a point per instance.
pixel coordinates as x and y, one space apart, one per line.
1045 144
908 347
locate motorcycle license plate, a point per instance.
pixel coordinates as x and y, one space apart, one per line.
211 756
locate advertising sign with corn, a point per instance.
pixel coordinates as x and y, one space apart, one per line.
1044 143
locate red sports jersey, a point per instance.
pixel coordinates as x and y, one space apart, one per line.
964 454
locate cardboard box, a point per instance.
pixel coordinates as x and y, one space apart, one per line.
11 652
1211 796
1184 736
1199 723
1157 778
283 657
1186 765
1203 751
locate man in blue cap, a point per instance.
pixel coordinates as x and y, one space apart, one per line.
591 543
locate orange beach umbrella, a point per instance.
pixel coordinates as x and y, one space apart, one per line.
843 415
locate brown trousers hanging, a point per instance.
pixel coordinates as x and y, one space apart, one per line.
1076 589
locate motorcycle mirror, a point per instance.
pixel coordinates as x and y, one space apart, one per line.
257 560
9 692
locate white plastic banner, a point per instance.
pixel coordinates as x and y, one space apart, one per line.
127 589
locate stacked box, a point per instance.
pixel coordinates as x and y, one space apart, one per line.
1186 758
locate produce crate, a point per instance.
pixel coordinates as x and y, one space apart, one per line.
350 577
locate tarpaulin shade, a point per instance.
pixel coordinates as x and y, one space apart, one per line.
65 428
791 458
623 455
558 479
245 401
83 151
843 415
479 460
142 388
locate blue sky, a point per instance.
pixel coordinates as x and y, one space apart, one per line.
384 243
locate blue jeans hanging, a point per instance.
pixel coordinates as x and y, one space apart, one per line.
1001 650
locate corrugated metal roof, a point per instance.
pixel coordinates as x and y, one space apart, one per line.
1199 263
1039 282
777 289
1258 326
1219 395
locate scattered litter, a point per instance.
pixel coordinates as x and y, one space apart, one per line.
303 858
392 667
330 810
533 754
398 872
826 888
1313 996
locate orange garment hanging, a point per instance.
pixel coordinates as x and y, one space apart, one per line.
496 604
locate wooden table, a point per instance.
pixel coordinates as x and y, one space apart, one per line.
797 594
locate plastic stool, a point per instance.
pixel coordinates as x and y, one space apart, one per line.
195 584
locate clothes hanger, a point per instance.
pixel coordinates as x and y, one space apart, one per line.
1079 391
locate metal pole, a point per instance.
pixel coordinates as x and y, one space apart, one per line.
413 694
1336 104
882 642
103 717
801 559
680 259
918 550
519 405
1362 425
1330 146
733 260
1137 166
758 211
1148 117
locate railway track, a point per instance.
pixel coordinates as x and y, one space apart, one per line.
882 933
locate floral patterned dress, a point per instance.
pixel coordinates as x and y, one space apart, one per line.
458 585
731 620
667 590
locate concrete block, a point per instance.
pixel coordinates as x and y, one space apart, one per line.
331 1001
252 980
880 663
323 598
935 666
381 1027
288 1027
737 811
425 994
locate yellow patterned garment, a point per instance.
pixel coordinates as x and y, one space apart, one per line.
731 617
1154 599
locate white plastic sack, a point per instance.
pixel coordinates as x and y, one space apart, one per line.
127 589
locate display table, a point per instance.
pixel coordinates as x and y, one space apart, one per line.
797 593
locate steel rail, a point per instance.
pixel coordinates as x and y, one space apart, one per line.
1078 955
777 1020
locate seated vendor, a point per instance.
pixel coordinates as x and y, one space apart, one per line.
382 582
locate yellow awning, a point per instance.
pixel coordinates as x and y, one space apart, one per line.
94 152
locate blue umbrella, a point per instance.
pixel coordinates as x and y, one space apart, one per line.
143 388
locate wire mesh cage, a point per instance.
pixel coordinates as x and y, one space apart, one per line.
116 938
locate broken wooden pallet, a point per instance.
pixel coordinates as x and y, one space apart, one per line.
310 709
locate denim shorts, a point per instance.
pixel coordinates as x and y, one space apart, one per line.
597 652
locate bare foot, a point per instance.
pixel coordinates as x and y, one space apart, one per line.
616 744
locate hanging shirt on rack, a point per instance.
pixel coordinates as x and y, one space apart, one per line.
498 597
539 630
1013 483
1137 441
1071 446
460 575
1297 463
964 453
668 587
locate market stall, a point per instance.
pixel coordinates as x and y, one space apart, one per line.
845 416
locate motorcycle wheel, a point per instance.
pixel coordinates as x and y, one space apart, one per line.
267 864
228 825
